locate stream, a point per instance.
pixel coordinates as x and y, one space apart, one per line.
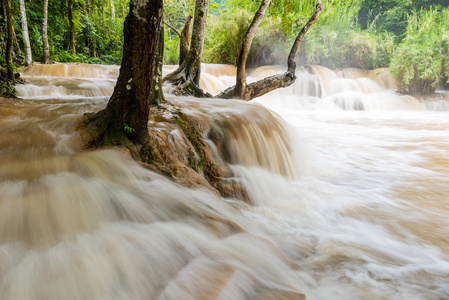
359 209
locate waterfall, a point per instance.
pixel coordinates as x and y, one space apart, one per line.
348 182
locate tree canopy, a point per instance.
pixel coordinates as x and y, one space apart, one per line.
351 33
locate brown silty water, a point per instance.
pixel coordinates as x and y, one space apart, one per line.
350 197
90 225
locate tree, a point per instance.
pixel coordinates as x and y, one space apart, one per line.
241 86
9 67
72 40
26 38
420 62
138 87
184 45
186 77
46 59
112 10
183 39
247 92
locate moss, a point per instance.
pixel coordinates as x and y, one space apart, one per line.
166 172
147 153
190 131
104 130
195 162
202 162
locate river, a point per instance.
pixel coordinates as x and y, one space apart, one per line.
362 213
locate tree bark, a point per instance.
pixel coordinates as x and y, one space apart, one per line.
26 38
271 83
184 40
240 86
291 64
187 77
173 28
139 83
46 58
72 41
14 38
9 67
112 10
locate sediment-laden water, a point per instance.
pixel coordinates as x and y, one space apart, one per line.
350 193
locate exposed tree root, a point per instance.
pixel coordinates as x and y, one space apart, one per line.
184 84
186 78
97 134
189 162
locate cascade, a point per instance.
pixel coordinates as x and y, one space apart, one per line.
348 182
67 81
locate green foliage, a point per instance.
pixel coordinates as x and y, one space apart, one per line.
128 129
66 56
102 35
271 45
171 48
392 15
336 40
175 13
349 33
7 88
421 61
98 29
224 36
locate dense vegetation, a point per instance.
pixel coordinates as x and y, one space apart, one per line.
98 29
421 61
350 33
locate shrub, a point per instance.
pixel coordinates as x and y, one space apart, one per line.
421 61
225 35
337 40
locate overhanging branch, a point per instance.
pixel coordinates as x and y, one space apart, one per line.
266 85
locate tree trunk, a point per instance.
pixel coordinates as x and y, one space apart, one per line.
187 77
46 59
26 38
240 87
9 67
271 83
72 40
112 10
14 38
139 83
184 40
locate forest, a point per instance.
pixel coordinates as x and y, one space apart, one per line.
410 37
224 149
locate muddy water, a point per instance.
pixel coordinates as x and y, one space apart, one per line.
350 193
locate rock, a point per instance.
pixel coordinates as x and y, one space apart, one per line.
232 188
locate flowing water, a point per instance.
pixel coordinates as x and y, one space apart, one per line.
350 194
